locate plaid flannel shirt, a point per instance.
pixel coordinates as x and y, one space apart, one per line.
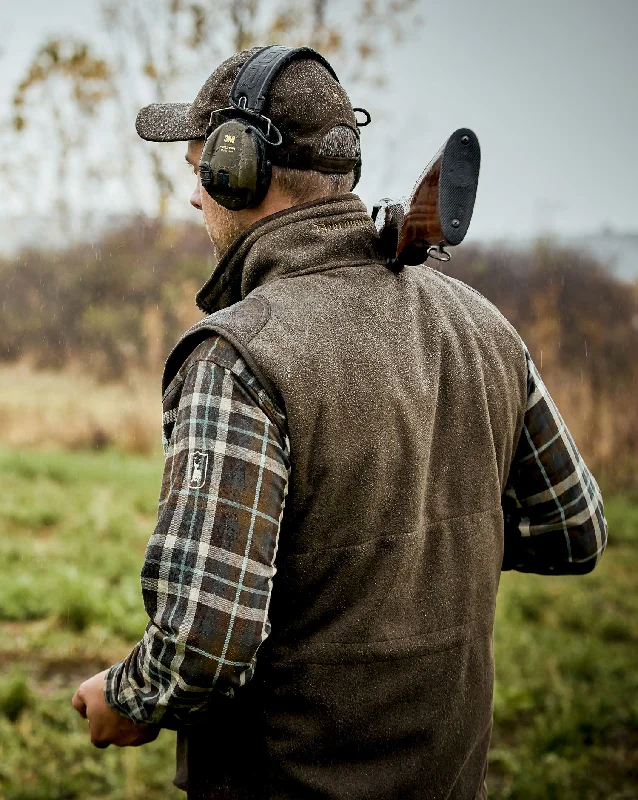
553 510
207 576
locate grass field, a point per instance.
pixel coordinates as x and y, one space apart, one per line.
73 530
70 410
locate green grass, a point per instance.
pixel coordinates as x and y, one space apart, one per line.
73 528
566 700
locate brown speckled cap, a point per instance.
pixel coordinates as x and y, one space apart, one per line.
304 102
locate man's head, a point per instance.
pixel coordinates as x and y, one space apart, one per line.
318 154
288 187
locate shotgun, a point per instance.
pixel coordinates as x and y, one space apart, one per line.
438 212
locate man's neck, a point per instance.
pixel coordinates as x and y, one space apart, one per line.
297 238
274 202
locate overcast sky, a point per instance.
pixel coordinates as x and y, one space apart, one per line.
549 86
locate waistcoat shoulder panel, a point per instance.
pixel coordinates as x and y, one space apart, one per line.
238 324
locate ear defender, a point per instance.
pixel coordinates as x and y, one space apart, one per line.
357 174
234 167
366 121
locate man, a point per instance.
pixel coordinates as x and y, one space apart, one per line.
400 420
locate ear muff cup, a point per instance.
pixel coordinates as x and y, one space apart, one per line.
357 174
234 167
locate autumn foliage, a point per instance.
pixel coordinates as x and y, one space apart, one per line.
113 309
580 324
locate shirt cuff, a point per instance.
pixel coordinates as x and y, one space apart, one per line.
126 696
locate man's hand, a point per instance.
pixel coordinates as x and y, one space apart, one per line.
106 725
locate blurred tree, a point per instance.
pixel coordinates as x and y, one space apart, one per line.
7 151
580 324
158 50
118 305
60 94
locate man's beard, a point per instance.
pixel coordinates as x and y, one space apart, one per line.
223 227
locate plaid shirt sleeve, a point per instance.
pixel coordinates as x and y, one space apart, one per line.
553 509
207 574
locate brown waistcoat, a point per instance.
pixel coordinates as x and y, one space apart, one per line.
404 396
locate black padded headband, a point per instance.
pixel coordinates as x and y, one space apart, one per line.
252 84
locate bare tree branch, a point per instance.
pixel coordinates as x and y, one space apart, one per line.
157 52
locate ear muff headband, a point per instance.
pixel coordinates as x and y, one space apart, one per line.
253 82
234 167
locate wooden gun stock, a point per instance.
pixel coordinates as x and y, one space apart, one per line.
438 212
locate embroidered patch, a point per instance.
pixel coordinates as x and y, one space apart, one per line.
197 466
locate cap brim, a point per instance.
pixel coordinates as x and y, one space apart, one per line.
168 122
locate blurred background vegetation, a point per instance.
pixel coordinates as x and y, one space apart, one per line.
85 329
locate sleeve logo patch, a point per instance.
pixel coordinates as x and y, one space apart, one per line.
197 468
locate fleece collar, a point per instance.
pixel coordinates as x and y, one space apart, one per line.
325 234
